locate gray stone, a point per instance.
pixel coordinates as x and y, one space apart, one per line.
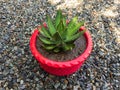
57 85
1 76
15 48
64 86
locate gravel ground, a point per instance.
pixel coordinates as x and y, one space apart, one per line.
20 71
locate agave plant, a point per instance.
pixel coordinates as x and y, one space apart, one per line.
59 35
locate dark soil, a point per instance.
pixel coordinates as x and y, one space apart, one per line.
80 45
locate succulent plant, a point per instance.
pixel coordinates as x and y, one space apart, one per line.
59 35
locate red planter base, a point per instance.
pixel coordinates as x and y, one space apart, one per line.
61 68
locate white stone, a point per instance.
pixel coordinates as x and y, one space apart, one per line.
21 81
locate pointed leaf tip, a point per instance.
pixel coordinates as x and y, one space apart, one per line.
50 25
58 17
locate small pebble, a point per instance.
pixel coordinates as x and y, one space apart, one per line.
21 81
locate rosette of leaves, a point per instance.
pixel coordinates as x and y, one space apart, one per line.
59 35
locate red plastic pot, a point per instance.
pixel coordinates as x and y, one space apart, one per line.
60 68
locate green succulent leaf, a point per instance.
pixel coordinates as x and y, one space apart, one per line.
56 50
64 21
45 32
58 17
73 30
41 32
60 28
57 37
64 34
74 37
49 47
69 47
47 41
72 23
50 25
